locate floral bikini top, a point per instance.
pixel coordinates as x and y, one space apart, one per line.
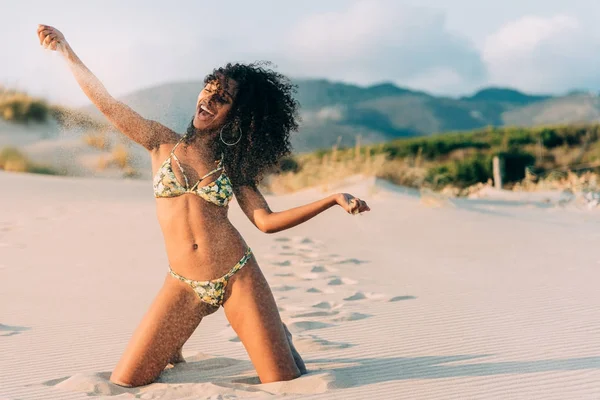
218 192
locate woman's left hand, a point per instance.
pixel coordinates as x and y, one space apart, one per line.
52 39
352 205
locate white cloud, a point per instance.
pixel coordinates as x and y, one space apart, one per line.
543 55
380 40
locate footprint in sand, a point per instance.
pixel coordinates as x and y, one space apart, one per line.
282 239
283 288
327 305
316 314
353 316
309 276
285 263
317 290
286 275
7 330
362 296
336 281
400 298
322 269
351 261
356 296
310 256
302 240
306 343
301 326
293 309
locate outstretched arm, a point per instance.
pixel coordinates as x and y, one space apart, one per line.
257 209
149 134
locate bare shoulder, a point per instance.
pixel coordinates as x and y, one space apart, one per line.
161 137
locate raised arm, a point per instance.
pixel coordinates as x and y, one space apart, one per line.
254 205
149 134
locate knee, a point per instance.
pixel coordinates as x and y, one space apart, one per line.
126 382
281 376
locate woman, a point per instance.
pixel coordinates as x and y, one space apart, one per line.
241 127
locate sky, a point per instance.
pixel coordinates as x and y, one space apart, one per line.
445 47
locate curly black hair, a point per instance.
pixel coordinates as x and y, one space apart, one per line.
264 111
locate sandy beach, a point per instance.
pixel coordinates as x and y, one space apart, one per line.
490 298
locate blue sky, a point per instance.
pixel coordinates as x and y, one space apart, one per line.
449 47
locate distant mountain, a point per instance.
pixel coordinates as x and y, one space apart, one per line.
503 95
382 112
573 108
316 93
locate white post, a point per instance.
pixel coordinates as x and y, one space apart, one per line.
497 172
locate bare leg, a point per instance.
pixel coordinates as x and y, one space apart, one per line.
252 312
177 358
170 321
299 361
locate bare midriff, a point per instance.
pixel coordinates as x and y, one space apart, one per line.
201 242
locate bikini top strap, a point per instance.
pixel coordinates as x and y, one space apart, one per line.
177 144
219 168
211 172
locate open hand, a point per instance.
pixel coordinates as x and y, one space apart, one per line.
51 38
352 205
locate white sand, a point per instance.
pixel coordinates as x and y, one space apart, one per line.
465 299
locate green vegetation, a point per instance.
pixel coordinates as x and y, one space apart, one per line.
11 159
459 159
19 107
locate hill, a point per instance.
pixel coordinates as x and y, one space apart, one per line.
333 111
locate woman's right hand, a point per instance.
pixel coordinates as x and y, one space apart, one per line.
352 205
51 38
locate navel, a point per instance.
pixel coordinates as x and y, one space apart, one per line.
195 246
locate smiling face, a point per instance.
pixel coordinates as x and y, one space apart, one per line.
214 103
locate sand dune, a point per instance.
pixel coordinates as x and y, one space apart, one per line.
466 299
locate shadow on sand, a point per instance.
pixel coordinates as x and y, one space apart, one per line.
376 370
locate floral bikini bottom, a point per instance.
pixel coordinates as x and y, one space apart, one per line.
213 292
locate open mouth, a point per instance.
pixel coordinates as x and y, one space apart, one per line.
205 109
204 112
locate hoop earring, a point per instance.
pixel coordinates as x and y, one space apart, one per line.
230 144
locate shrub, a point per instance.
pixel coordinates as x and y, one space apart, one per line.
550 138
120 156
11 159
289 164
97 140
471 171
461 173
11 155
19 107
